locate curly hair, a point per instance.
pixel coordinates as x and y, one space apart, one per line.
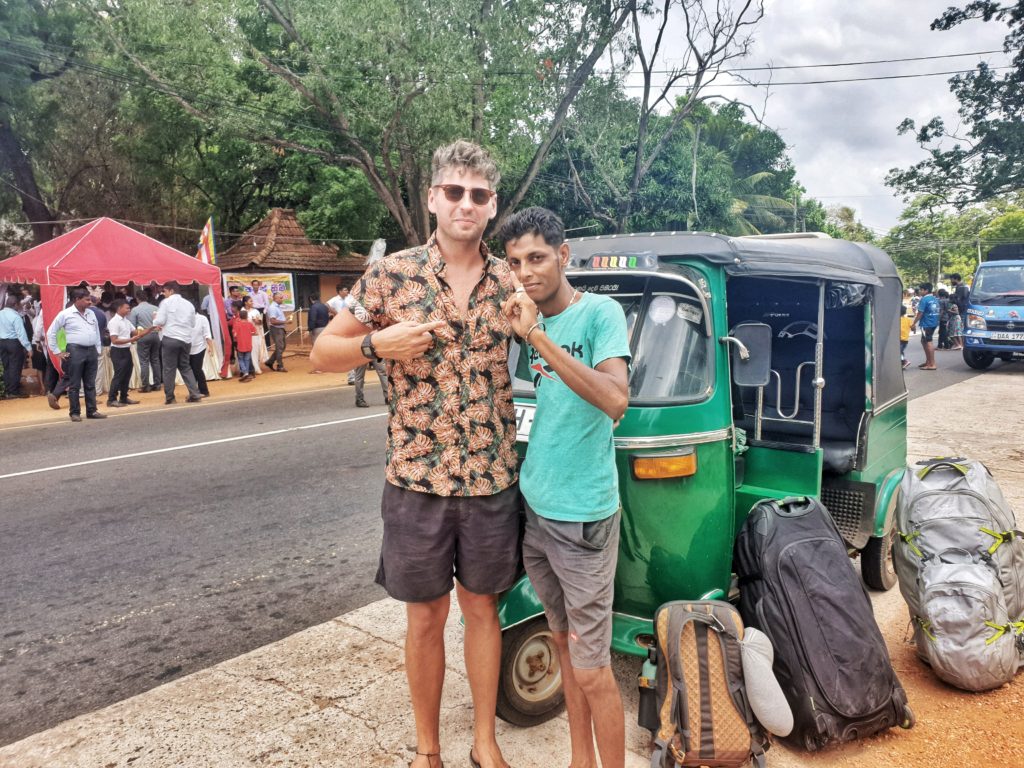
467 155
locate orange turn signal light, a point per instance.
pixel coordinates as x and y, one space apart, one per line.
662 467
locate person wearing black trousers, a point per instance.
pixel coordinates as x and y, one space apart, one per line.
202 340
122 335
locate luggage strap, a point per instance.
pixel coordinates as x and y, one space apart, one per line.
1016 627
926 627
949 463
908 539
1001 537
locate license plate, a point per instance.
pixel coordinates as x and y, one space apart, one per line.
524 420
1008 336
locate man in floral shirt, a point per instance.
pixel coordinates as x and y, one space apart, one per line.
451 504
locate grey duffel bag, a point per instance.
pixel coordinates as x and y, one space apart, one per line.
960 562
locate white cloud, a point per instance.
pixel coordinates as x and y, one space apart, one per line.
842 137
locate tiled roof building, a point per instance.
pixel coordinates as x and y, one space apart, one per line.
279 243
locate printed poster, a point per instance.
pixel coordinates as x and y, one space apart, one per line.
273 281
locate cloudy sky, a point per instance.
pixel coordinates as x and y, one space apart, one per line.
842 136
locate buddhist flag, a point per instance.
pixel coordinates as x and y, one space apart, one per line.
207 253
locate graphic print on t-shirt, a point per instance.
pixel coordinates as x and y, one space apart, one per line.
541 370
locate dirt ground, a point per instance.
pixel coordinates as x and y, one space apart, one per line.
954 727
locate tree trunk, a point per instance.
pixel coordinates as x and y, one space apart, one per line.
17 162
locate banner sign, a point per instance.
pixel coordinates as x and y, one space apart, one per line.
274 282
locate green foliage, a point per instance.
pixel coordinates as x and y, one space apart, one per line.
984 161
842 222
1008 228
169 112
930 241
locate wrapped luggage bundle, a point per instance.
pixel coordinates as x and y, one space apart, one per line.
960 562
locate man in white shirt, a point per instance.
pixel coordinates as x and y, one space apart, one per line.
122 336
81 329
260 296
202 340
278 334
175 318
337 303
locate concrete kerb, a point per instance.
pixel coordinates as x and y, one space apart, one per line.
335 694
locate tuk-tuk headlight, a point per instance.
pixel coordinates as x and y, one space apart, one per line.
665 465
976 322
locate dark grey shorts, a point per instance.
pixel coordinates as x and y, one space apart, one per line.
429 540
572 568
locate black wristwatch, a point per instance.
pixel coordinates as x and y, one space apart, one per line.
367 347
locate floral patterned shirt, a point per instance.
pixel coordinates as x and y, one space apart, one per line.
451 430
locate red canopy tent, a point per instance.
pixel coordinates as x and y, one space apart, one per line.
107 250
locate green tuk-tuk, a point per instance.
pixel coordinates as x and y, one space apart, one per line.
762 367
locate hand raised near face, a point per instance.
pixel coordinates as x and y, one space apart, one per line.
519 309
406 340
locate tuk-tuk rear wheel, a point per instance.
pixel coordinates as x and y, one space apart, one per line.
530 682
876 564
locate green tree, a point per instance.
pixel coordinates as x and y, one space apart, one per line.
26 26
1008 228
842 222
984 161
930 242
375 86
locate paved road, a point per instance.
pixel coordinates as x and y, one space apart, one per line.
206 553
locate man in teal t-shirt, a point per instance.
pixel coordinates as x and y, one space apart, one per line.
577 352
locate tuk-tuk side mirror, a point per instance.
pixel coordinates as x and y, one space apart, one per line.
751 353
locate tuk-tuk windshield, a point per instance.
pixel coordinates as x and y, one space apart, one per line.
665 323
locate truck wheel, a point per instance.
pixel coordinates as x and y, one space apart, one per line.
876 566
978 360
530 684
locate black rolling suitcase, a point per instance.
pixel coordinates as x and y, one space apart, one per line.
797 586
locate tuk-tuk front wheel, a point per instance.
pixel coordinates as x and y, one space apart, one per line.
978 360
876 565
530 683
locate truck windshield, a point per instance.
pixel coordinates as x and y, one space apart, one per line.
665 323
999 285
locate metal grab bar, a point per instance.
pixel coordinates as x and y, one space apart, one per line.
796 391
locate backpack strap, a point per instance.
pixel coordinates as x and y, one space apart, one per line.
1001 537
681 706
945 462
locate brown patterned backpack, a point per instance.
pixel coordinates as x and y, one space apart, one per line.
705 716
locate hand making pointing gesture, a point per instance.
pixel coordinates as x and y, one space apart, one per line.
406 340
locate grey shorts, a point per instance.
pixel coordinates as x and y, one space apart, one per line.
572 568
430 540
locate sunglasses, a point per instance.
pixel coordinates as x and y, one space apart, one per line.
455 192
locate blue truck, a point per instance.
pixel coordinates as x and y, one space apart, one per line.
994 325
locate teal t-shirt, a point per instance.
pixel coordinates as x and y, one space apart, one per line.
569 471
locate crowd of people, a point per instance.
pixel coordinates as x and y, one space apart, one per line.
111 340
939 316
